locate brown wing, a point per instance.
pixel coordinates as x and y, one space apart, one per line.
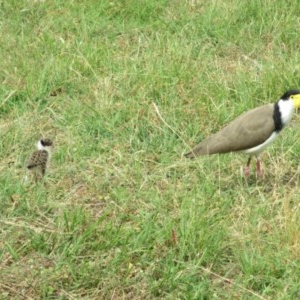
246 131
38 159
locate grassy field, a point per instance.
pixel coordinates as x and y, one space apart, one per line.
124 88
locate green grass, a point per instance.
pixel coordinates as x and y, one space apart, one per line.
120 214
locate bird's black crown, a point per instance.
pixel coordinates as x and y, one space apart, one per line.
46 142
289 93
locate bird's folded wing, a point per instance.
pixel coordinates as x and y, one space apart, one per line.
246 131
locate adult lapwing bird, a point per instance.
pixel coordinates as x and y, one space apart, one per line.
39 159
252 131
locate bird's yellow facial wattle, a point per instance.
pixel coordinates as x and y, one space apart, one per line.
296 100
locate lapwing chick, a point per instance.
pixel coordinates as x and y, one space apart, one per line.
252 131
39 159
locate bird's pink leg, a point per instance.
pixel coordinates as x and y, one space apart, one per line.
258 168
247 168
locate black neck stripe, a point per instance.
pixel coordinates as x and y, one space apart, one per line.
277 118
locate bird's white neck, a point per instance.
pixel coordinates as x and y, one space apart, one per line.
286 108
41 147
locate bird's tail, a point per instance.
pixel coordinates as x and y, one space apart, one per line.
190 154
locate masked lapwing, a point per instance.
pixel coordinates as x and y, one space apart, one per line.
39 159
252 131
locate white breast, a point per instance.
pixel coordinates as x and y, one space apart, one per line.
258 149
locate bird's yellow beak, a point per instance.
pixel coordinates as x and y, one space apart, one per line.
296 100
